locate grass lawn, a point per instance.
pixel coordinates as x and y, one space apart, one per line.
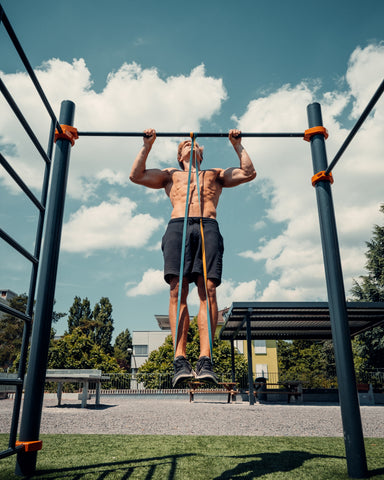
150 457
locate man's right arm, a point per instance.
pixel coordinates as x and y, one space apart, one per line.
153 177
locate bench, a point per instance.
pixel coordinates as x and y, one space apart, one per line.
292 389
365 392
83 376
5 389
227 388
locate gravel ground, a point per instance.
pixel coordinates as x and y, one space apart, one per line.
177 416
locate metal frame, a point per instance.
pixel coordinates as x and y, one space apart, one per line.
26 462
32 257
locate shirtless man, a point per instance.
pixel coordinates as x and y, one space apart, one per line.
175 183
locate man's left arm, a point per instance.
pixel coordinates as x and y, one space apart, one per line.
231 177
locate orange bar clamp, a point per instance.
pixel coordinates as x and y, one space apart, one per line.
68 133
321 176
30 446
308 134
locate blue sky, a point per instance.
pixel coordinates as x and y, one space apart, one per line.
177 66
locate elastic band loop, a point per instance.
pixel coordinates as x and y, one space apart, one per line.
68 133
321 176
308 134
181 273
204 261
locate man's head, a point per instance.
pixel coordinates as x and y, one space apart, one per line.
188 143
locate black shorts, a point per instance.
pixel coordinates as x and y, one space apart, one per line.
193 264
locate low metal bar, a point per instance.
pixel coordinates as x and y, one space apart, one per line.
28 67
11 451
357 126
187 134
23 121
4 235
16 313
11 172
11 381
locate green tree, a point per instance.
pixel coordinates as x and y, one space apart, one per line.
370 345
80 315
103 325
11 332
159 365
77 350
309 361
96 324
122 349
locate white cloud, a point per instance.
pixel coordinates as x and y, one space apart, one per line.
294 256
133 99
152 283
108 225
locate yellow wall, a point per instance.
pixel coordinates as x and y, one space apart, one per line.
269 359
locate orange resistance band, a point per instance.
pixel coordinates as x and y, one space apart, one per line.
204 261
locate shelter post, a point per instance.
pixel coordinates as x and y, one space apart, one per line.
348 396
249 352
233 368
34 388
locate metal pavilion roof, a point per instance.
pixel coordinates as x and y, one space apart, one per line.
294 320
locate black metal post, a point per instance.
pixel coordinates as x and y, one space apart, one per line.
348 396
233 369
250 363
34 388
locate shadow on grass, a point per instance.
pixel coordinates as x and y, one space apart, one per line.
246 467
264 463
126 468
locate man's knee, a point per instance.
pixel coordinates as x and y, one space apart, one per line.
211 289
174 288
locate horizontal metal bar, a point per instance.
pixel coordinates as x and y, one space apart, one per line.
20 182
28 67
187 134
356 127
4 235
11 451
11 311
23 121
10 381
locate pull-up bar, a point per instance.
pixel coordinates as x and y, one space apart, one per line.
185 134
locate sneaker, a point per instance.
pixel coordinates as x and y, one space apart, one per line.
204 371
183 371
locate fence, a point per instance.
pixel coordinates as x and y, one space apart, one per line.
128 383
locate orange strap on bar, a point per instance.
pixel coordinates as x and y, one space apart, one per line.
31 446
308 134
69 133
322 176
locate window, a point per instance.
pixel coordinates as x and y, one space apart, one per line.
140 350
260 347
261 370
